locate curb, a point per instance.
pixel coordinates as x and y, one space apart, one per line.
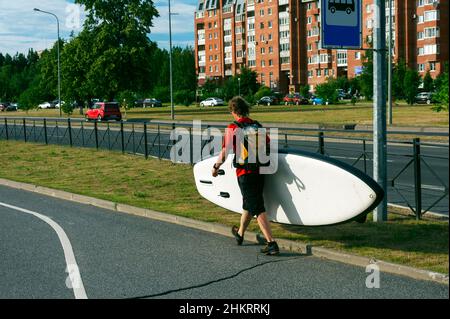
284 244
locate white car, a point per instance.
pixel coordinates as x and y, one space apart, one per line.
212 101
45 105
57 104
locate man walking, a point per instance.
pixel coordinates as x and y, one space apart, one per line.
251 182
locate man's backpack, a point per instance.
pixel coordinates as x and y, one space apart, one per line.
248 146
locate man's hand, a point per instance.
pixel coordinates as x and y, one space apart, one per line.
215 170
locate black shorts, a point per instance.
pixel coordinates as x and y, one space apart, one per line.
252 187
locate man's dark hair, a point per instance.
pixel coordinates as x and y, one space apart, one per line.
239 106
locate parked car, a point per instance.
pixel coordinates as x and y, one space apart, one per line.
102 111
212 101
3 106
12 107
45 105
151 103
267 100
56 103
424 97
295 98
316 100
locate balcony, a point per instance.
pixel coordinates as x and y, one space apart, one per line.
199 15
201 63
283 2
201 53
227 38
201 41
228 72
202 76
229 61
284 54
284 27
228 49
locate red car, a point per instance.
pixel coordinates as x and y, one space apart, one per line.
104 111
296 99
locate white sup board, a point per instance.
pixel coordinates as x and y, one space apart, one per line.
307 189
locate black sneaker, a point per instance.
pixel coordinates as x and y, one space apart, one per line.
239 238
271 249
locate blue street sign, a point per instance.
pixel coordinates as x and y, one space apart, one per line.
341 24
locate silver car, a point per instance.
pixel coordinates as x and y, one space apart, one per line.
212 101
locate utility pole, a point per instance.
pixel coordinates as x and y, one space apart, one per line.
390 65
379 104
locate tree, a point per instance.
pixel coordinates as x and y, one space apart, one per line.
304 90
411 85
398 79
428 85
366 78
119 60
442 91
328 91
263 91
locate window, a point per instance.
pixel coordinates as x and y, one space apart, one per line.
285 60
357 55
210 58
210 69
431 49
431 33
215 35
326 72
263 63
310 74
269 11
270 50
210 36
263 50
216 57
261 25
431 15
261 12
217 68
251 63
270 62
318 72
324 58
262 38
269 24
369 23
309 46
309 20
421 67
209 25
419 35
309 6
210 47
215 46
284 46
215 24
368 8
432 66
270 36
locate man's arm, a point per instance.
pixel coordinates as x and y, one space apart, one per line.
220 161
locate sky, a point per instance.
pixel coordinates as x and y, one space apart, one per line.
21 28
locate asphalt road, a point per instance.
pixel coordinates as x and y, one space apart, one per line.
434 166
124 256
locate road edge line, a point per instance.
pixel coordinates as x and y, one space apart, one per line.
220 229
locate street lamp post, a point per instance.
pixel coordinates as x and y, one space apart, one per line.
172 109
59 60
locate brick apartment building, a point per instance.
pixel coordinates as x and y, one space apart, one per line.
280 40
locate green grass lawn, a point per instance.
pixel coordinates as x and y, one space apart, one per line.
170 188
362 113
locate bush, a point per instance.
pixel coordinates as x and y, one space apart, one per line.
184 97
126 99
263 91
328 92
161 93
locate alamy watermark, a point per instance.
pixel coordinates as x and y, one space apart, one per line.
251 145
373 279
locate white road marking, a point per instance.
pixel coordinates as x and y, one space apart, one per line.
72 267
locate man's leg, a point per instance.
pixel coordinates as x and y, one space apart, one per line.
264 225
245 221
